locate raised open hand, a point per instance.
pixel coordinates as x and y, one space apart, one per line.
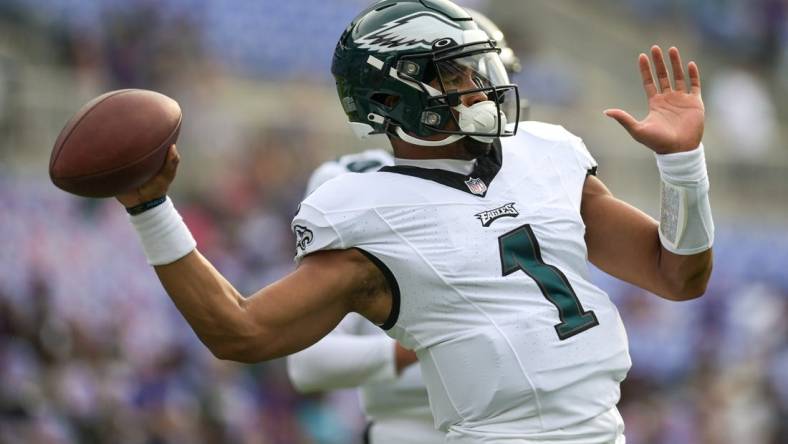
675 116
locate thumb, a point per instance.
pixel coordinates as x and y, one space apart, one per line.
171 164
624 118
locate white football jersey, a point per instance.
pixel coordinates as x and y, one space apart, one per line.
491 285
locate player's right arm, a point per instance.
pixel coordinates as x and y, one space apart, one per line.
283 317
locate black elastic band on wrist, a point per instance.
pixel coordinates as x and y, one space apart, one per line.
145 206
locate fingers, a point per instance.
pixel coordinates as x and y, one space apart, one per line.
694 75
645 74
663 77
173 155
678 69
662 71
155 187
624 118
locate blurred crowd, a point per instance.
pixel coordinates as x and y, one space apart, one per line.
93 351
752 37
275 39
747 30
164 44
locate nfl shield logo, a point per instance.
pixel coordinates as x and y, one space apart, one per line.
476 186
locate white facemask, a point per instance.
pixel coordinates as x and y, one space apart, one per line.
481 118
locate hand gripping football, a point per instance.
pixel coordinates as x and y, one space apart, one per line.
115 143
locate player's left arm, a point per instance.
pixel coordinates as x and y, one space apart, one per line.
673 260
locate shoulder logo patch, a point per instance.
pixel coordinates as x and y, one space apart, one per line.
400 34
489 216
304 236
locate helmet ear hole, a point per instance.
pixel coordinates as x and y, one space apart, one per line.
387 100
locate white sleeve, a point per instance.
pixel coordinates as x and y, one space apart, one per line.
584 157
576 149
342 360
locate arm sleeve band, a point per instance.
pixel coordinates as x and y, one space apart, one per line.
342 360
164 236
686 226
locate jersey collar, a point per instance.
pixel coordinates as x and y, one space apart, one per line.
458 166
476 182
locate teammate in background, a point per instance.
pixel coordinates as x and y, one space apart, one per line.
358 353
472 249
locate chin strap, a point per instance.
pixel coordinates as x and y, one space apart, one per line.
421 142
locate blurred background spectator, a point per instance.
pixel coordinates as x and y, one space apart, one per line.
92 350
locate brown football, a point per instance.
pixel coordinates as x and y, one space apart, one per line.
115 143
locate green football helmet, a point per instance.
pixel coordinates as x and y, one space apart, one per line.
423 71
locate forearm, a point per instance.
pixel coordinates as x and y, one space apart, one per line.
341 361
686 229
685 276
672 276
211 305
280 319
208 302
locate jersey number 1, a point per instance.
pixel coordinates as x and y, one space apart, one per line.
520 251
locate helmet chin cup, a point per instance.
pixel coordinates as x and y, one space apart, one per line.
481 117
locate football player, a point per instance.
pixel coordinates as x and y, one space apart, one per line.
472 249
358 353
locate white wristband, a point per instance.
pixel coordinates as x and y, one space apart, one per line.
686 226
165 238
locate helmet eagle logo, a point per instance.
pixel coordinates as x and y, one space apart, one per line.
418 30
